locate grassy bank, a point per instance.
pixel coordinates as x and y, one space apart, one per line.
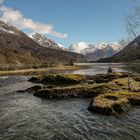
51 70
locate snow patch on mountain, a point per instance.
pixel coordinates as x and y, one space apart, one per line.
8 28
61 46
85 48
45 42
7 31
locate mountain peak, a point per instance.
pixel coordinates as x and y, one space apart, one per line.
131 53
95 51
45 42
82 47
5 27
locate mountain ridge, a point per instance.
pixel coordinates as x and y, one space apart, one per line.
95 52
17 50
46 42
131 53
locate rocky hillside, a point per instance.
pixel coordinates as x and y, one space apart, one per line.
131 53
95 52
17 50
45 42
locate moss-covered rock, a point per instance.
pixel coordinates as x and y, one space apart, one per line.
76 78
85 90
73 91
105 78
35 79
114 103
59 79
34 89
109 92
106 106
133 97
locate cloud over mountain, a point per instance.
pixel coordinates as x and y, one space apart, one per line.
17 18
94 52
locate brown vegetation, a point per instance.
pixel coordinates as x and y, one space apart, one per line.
110 96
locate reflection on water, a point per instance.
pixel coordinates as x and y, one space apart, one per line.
25 117
99 68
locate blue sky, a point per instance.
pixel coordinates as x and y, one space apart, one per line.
83 20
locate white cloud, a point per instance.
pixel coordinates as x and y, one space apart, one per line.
59 35
1 1
17 18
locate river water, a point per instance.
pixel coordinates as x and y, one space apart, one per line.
25 117
100 68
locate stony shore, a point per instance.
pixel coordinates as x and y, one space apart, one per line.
109 93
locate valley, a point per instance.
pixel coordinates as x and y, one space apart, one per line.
70 70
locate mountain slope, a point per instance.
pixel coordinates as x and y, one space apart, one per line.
45 42
94 52
131 53
20 51
100 53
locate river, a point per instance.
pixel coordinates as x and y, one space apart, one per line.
25 117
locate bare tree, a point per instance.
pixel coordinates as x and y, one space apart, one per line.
133 23
124 42
133 29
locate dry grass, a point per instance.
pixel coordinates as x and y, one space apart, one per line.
122 84
118 99
73 76
58 79
103 102
114 103
39 71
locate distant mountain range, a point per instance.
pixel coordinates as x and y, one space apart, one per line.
17 50
95 52
131 53
92 52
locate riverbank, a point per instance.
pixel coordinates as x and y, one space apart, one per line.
51 70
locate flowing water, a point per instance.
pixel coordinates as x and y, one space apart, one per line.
100 68
25 117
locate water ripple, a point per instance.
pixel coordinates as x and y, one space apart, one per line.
25 117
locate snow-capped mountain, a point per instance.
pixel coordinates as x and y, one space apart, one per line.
79 47
62 47
130 53
45 42
85 48
5 27
94 52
